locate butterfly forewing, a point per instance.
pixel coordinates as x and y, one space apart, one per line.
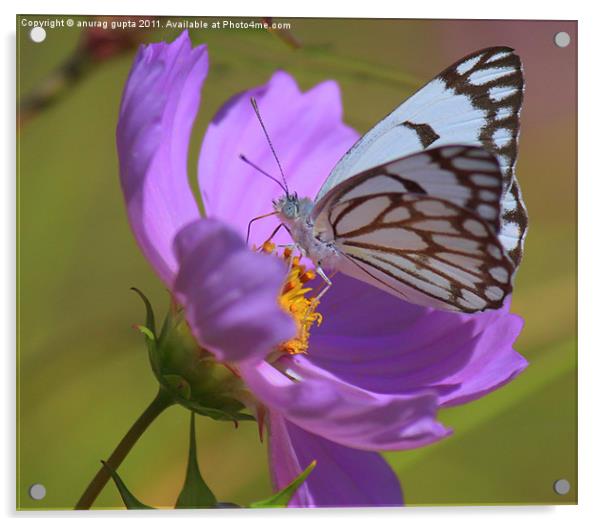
423 249
476 101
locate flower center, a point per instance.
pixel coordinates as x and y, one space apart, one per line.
295 301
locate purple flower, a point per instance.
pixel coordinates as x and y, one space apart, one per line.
372 375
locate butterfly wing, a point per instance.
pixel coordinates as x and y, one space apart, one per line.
467 176
475 101
424 228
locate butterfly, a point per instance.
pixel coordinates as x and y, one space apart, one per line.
426 205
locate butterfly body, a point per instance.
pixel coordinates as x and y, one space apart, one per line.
318 244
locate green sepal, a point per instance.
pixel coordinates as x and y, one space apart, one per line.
195 492
150 315
181 391
284 496
173 318
146 332
177 385
149 332
131 502
217 414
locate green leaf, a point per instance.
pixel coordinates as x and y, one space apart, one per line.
131 502
284 496
195 492
150 315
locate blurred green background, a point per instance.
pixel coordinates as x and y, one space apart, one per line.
83 375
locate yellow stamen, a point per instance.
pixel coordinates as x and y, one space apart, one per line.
268 247
295 301
308 275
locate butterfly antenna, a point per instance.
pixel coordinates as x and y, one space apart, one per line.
243 158
265 132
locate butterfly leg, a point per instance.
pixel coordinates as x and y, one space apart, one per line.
255 219
271 235
327 283
326 279
292 247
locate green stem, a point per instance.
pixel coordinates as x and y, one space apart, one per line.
161 402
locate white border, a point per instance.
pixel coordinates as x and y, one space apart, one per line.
590 192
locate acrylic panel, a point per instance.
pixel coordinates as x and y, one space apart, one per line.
220 307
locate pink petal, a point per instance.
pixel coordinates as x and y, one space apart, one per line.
340 412
229 293
158 107
342 476
308 135
379 343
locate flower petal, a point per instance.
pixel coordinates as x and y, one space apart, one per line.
308 135
382 344
158 107
229 293
324 405
342 476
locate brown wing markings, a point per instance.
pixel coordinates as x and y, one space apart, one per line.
352 259
396 278
453 295
478 287
352 204
464 177
425 257
434 247
481 98
418 257
407 185
517 215
355 202
408 201
486 263
426 134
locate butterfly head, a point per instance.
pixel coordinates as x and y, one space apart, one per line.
290 208
287 206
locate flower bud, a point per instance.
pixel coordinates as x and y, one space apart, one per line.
189 373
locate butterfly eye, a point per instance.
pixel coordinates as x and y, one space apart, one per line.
291 209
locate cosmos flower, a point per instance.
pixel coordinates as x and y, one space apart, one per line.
339 381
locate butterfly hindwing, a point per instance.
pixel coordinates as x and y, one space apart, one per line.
475 101
464 175
425 250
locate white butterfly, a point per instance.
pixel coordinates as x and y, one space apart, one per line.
443 226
